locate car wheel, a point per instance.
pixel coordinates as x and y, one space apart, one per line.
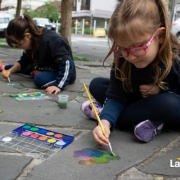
178 35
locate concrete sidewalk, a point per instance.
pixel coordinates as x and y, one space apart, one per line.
138 161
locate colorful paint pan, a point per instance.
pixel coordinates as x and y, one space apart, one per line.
43 138
42 131
26 127
33 135
26 133
51 140
60 142
34 129
59 136
44 135
50 133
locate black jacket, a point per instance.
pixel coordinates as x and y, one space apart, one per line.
53 54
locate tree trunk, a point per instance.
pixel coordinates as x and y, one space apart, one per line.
66 18
18 10
0 4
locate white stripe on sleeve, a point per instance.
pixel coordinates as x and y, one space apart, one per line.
61 83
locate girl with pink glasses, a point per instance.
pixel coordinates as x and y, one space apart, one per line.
144 86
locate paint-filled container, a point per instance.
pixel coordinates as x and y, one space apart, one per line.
63 99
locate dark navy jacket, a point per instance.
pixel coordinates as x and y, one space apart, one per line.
118 98
54 54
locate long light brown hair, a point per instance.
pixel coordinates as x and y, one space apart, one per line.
131 19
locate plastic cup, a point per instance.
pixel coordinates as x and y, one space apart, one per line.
63 99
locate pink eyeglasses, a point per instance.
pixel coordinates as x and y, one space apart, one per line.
136 51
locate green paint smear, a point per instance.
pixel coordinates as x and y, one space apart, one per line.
116 157
101 160
110 156
105 158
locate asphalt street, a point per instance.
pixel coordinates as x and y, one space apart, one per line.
94 49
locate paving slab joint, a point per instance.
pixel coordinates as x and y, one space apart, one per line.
133 174
28 168
162 152
81 133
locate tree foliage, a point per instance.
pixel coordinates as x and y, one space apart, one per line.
49 10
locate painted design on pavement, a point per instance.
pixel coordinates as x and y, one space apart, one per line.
90 156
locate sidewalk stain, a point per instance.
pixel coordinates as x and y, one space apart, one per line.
16 85
90 156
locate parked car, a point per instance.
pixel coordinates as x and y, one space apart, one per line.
176 28
4 21
45 23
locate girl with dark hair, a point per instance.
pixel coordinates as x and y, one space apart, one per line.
47 56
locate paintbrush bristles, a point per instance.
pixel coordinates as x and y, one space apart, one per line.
9 80
110 147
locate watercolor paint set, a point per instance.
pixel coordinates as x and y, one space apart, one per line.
44 135
27 146
30 96
35 141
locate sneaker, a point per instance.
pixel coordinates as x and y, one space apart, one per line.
147 130
34 73
86 108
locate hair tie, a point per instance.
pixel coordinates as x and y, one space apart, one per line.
22 16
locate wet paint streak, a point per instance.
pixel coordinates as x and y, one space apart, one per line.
16 85
90 156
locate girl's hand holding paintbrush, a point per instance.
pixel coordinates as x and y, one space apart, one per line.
98 134
5 73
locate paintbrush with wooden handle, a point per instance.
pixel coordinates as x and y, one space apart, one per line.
98 119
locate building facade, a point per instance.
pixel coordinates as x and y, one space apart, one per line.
92 13
86 14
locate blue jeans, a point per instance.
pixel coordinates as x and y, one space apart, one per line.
44 78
